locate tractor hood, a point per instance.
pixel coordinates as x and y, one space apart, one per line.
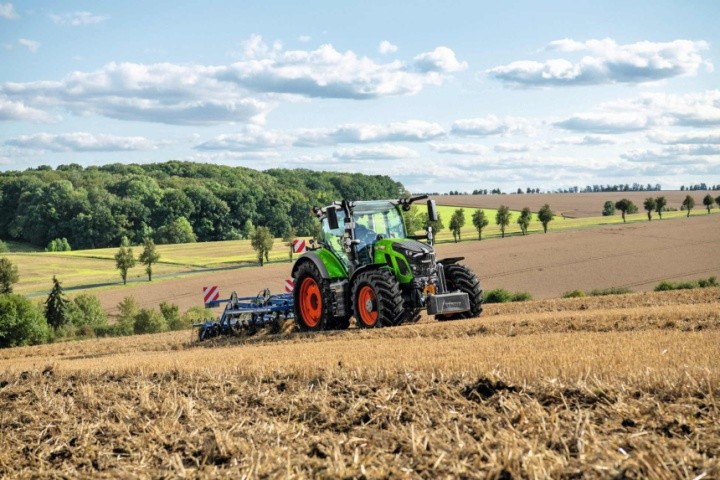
412 248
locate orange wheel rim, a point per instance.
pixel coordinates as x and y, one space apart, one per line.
310 302
367 306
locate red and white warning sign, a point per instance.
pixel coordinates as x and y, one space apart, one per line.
211 294
298 246
289 285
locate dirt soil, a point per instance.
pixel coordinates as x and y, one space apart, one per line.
637 256
571 205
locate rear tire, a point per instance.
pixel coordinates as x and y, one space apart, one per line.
460 277
312 300
377 301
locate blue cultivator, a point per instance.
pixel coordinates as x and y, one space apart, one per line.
247 315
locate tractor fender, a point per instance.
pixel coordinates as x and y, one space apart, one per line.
451 260
362 269
313 258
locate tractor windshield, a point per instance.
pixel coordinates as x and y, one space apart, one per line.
379 218
373 221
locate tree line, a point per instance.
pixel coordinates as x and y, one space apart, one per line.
171 202
657 205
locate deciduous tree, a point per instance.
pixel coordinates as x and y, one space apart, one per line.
625 206
660 203
288 238
124 259
457 221
688 203
545 215
524 220
21 322
502 218
608 209
650 204
480 221
149 256
262 242
708 201
8 275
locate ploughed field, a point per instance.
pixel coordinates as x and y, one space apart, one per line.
603 387
634 255
575 205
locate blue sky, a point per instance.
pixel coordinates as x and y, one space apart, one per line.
440 95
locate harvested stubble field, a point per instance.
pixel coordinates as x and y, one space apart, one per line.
607 387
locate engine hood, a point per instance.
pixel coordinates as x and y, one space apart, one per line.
407 245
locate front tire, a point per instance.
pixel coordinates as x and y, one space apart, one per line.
460 277
311 297
377 301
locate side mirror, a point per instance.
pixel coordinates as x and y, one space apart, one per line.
432 211
332 218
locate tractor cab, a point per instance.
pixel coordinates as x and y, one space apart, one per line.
357 232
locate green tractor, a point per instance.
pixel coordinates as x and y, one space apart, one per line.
365 264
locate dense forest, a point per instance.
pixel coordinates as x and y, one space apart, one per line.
172 202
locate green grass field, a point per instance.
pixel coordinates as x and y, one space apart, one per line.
97 267
468 232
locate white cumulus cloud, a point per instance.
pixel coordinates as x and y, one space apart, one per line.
695 110
17 110
77 19
328 73
252 138
7 11
459 148
379 152
81 142
164 93
667 138
490 125
386 47
607 122
407 131
31 45
442 59
606 61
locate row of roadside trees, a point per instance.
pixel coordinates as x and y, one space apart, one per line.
503 217
657 205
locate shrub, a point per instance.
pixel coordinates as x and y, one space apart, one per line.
126 319
609 291
197 315
116 330
500 295
574 294
86 310
21 322
59 245
521 297
171 314
149 321
687 285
